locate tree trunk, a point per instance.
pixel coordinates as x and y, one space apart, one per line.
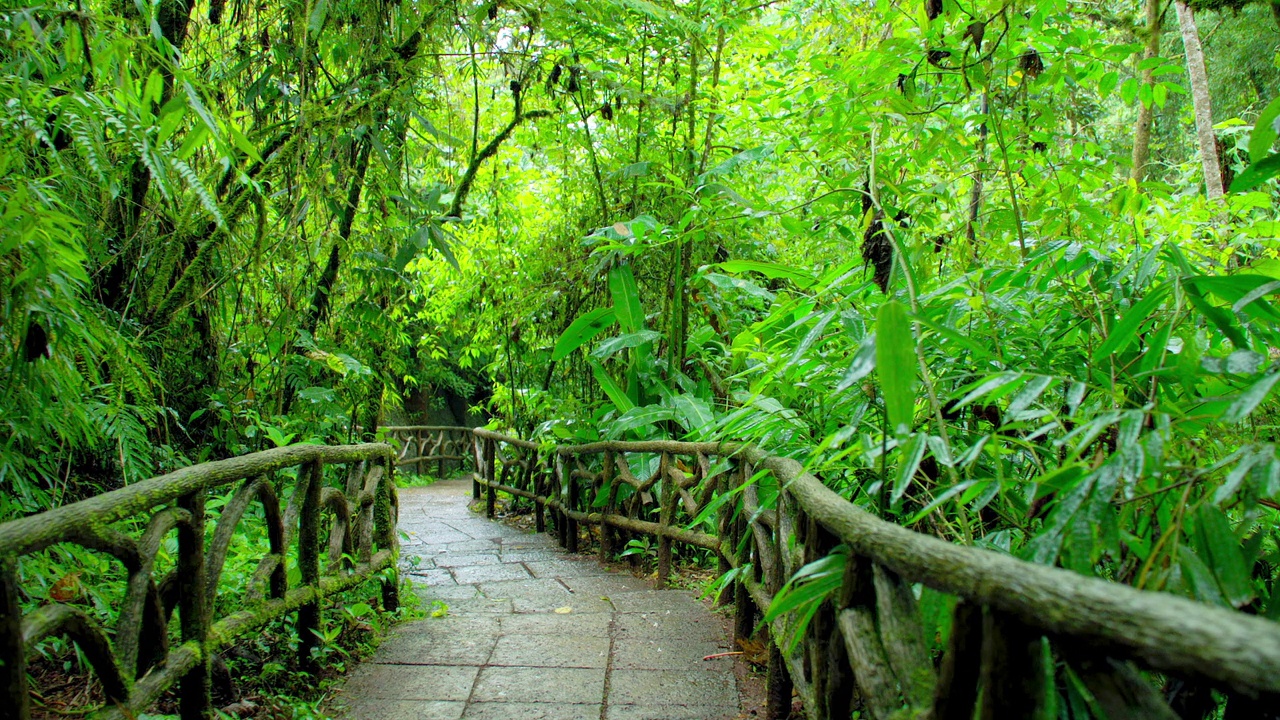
1200 99
1142 129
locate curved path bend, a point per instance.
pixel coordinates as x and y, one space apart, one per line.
533 633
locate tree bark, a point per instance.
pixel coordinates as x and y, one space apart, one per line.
1200 99
1142 129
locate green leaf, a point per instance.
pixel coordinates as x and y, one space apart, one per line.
613 345
1123 333
896 363
692 412
1219 548
319 12
638 417
626 299
864 361
772 270
1257 173
611 388
1250 398
1264 131
581 331
912 454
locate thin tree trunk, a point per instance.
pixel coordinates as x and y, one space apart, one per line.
1200 99
1142 129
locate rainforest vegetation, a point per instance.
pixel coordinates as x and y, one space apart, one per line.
1001 271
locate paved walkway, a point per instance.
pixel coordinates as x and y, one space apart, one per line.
535 634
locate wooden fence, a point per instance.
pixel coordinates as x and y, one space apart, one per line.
135 662
1015 629
445 446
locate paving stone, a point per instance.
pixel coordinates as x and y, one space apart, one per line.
669 653
564 568
372 709
610 584
671 687
432 576
670 712
693 628
531 711
571 650
411 682
451 560
528 554
445 643
490 573
451 592
478 605
594 624
664 602
539 685
546 595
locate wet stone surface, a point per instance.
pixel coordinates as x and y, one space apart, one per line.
533 632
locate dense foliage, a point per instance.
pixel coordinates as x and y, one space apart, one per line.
907 243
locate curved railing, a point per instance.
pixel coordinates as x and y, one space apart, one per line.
135 662
863 646
445 445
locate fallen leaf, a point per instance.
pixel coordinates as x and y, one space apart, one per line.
564 610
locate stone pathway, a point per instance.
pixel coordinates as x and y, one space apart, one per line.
535 634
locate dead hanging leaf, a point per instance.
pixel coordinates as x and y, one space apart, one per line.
933 8
936 56
754 651
975 32
877 251
1031 63
67 589
37 342
622 229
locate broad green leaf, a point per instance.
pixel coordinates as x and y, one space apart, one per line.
692 412
612 345
581 331
626 299
1257 173
864 361
1219 548
772 270
1123 333
638 417
1264 131
912 454
616 394
896 364
1250 398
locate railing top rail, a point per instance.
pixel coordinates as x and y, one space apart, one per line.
36 532
654 446
424 428
491 435
1166 632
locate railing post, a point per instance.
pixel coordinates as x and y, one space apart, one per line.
606 486
13 672
778 685
571 504
539 488
479 456
309 559
384 519
490 476
665 517
194 702
560 492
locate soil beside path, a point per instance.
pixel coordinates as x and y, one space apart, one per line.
533 633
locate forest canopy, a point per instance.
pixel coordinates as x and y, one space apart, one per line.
1003 271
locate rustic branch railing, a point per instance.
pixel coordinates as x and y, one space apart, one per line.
863 648
445 445
135 663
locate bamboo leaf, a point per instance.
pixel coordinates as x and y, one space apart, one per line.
1123 333
626 299
895 363
581 331
1250 398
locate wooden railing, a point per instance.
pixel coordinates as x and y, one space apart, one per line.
445 445
863 648
135 662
